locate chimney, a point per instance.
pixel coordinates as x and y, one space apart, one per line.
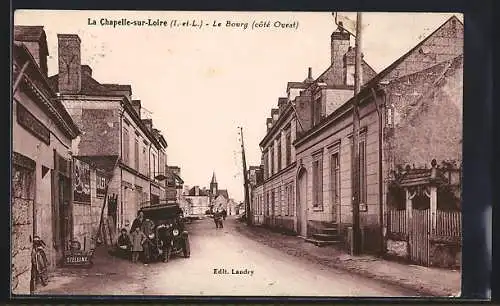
309 73
196 190
136 104
86 70
35 39
275 114
69 60
340 39
269 123
148 123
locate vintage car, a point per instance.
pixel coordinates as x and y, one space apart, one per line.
168 236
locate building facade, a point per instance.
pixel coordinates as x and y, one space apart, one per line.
114 137
42 132
404 92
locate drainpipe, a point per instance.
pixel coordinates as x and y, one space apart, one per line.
380 168
20 77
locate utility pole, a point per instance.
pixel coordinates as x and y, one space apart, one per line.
245 179
355 137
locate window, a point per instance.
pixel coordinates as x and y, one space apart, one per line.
362 168
317 111
136 154
153 166
288 149
126 149
144 160
266 165
390 116
268 204
362 171
271 157
273 202
291 200
335 178
279 155
318 182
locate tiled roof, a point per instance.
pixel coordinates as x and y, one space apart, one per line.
223 192
418 177
92 87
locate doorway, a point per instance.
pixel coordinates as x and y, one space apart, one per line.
302 202
335 185
65 212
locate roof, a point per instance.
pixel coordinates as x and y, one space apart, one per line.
31 34
91 87
21 54
105 163
203 193
372 84
392 66
420 177
28 33
223 192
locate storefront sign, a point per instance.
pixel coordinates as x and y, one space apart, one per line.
32 124
81 182
101 185
77 260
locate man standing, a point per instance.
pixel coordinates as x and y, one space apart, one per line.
138 221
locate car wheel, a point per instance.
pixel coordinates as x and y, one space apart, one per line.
187 249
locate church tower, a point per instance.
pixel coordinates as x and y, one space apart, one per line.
213 185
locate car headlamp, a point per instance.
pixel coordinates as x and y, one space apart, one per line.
151 236
175 232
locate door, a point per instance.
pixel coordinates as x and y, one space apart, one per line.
65 211
335 186
302 203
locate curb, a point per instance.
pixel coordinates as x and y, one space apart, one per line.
421 291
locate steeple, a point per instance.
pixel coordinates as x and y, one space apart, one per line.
213 185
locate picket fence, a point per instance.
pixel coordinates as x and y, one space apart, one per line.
419 231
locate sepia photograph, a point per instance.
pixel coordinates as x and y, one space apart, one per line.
204 153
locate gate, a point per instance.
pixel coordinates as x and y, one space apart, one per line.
420 228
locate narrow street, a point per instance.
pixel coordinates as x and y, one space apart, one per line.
274 273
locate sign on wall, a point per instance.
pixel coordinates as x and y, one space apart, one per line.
101 185
81 182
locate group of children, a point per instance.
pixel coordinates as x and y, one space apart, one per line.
133 242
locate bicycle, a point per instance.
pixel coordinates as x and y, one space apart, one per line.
39 262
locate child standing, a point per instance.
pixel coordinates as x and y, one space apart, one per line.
138 238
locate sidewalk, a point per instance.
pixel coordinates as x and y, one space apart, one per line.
106 271
424 280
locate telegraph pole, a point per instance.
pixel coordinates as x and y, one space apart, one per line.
355 135
245 179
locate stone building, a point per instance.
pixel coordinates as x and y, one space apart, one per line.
322 149
42 131
275 201
198 201
115 137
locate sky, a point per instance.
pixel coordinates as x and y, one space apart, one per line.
200 84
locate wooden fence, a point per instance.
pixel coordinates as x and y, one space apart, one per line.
419 230
396 221
448 224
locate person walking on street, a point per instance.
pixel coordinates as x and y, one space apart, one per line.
138 239
218 218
